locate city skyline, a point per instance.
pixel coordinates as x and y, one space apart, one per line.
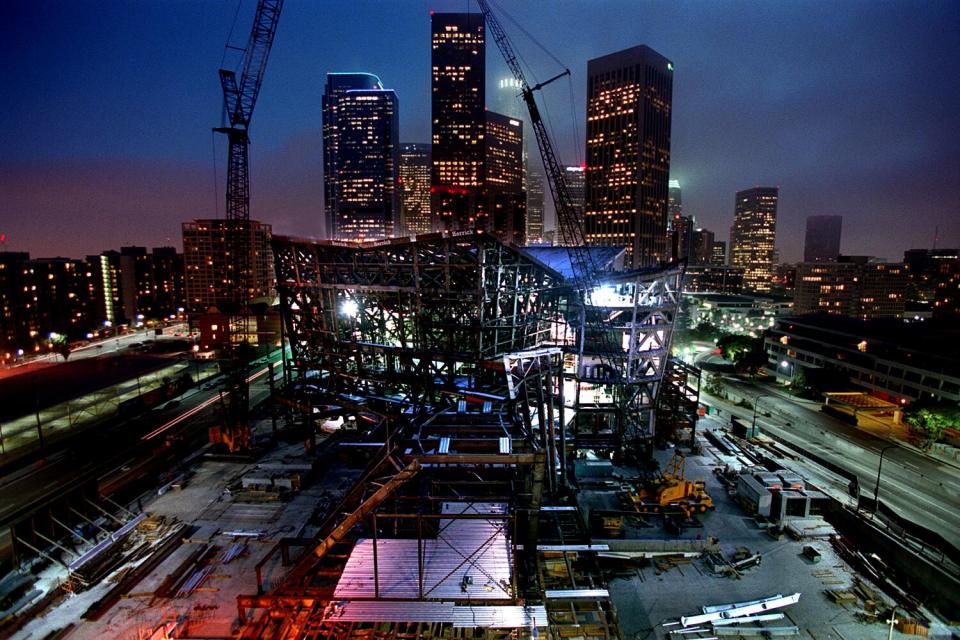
82 173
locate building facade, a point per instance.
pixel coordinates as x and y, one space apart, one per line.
894 361
536 234
629 104
458 50
361 127
718 254
575 179
854 286
414 188
737 314
209 269
42 300
503 191
934 281
753 237
336 86
702 247
822 241
710 278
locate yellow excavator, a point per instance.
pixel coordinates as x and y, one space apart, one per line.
670 492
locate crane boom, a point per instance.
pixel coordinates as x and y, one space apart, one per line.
240 100
571 231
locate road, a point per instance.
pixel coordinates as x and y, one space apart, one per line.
918 488
91 350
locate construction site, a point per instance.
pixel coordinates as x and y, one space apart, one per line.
470 439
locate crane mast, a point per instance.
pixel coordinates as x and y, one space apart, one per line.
239 100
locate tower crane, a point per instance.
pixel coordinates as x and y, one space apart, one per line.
568 222
239 100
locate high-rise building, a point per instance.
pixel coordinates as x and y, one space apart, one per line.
674 211
853 286
510 102
360 172
168 291
934 276
575 179
674 199
682 237
535 231
208 267
718 254
629 102
41 299
822 242
415 188
338 84
136 282
458 44
506 201
701 249
753 237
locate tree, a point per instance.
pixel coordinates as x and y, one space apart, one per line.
714 385
747 354
60 344
930 419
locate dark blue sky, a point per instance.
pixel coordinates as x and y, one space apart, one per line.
851 107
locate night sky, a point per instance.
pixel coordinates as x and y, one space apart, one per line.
850 107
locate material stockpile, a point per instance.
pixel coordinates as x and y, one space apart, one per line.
738 619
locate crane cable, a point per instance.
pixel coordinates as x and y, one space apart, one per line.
543 106
226 46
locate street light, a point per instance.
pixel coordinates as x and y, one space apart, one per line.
756 405
876 488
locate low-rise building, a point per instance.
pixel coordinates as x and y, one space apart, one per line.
738 314
854 286
713 279
894 361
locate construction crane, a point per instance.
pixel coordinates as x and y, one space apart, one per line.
571 231
239 100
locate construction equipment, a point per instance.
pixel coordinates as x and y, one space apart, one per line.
239 100
670 491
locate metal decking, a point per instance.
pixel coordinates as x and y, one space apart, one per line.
469 560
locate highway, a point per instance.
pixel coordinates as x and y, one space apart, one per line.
918 488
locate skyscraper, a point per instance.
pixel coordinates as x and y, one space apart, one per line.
414 188
822 243
535 231
361 127
629 102
682 237
505 199
575 178
457 109
337 85
701 249
753 237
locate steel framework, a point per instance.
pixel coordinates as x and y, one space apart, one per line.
466 358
